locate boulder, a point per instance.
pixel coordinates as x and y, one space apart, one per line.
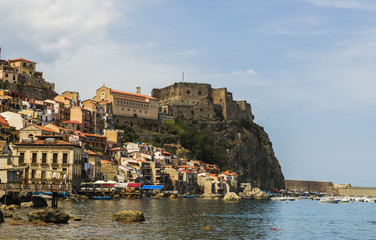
128 216
48 216
1 217
158 196
231 196
27 204
39 202
11 207
7 215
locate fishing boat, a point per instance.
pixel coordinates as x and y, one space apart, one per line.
101 197
189 196
283 198
247 198
329 200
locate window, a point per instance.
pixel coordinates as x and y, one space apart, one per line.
14 77
44 157
6 75
43 174
188 92
54 158
34 158
33 173
65 157
22 158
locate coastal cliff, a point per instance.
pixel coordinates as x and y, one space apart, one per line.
250 153
239 144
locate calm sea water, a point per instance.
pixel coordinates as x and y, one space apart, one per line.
207 219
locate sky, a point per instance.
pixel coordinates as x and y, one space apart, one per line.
307 67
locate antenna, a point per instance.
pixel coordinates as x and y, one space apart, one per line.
183 76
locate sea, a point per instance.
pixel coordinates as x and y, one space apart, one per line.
200 218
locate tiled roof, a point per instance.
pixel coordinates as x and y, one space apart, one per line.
20 59
105 161
93 135
92 153
3 122
46 129
72 122
133 94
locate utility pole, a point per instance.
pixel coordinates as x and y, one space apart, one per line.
183 76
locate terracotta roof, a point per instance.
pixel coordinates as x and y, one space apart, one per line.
184 170
93 135
92 153
43 142
184 166
79 134
3 122
20 59
105 161
104 102
165 152
133 94
72 122
118 149
130 99
46 129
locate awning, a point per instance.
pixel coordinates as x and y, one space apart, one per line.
134 185
152 187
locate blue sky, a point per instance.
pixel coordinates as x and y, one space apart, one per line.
306 66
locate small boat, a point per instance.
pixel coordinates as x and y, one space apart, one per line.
189 196
283 198
101 197
247 198
329 200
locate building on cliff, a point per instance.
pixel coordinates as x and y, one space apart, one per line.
201 101
127 108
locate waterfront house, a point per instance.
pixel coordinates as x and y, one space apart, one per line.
50 153
7 159
108 170
94 166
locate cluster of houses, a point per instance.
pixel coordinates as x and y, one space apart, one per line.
77 141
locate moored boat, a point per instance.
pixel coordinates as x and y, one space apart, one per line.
101 197
329 200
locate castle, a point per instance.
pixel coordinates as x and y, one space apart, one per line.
201 101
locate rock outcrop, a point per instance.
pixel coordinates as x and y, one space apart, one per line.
48 216
250 153
231 196
128 216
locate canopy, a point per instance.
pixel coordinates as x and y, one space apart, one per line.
152 187
110 182
135 185
99 182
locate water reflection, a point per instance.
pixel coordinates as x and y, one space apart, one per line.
204 219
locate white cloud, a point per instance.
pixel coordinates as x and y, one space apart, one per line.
347 4
249 72
59 27
122 67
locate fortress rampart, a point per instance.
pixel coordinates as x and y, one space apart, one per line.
201 101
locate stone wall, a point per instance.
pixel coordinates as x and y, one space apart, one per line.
308 186
357 191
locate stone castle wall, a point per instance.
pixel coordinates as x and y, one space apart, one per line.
201 101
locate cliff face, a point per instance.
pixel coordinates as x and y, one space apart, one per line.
250 153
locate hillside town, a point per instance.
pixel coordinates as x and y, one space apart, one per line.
81 142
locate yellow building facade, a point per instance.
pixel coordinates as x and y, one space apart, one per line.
130 105
50 154
24 66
